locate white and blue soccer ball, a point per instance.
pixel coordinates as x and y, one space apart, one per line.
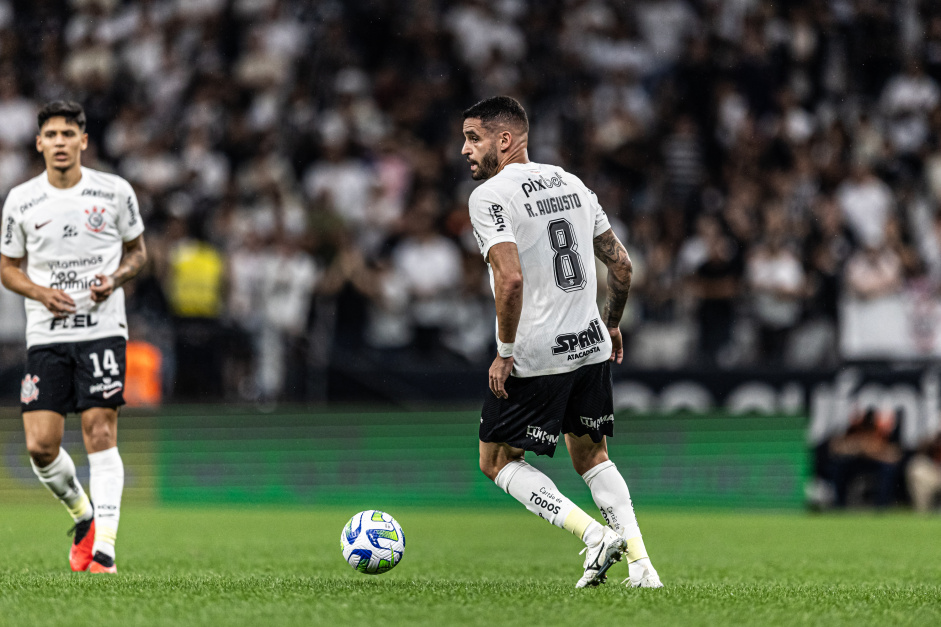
372 542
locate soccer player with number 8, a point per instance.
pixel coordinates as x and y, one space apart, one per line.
535 224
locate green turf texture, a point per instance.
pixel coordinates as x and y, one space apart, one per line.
260 567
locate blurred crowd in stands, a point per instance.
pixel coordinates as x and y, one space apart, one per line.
868 466
298 167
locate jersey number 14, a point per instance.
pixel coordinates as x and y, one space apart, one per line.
109 362
567 263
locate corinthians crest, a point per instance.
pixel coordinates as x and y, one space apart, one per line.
96 219
29 391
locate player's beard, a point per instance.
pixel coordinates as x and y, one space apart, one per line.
487 167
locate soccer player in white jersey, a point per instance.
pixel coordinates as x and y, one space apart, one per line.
71 237
536 225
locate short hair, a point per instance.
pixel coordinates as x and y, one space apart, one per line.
68 109
499 109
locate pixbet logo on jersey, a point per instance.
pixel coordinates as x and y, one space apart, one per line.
542 183
96 219
587 339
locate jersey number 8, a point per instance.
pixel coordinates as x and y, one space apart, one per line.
567 263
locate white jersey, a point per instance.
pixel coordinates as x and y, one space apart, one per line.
553 219
69 236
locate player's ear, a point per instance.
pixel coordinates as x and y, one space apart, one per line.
38 143
84 141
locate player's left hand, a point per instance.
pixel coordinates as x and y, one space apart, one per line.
617 345
499 371
102 289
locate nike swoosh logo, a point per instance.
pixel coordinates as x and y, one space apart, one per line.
39 226
110 393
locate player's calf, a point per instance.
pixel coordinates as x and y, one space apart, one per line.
107 483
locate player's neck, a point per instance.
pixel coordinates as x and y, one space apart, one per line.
64 179
521 155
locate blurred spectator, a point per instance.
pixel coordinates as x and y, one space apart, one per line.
866 203
867 451
341 184
777 281
430 270
907 100
480 31
829 246
18 114
288 278
874 272
195 290
683 159
715 283
923 475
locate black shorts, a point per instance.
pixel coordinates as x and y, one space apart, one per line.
540 408
74 376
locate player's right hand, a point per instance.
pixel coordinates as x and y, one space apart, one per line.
499 371
57 302
617 345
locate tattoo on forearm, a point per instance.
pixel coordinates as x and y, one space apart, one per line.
131 264
613 254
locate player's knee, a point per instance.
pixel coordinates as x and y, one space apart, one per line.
42 452
489 468
100 434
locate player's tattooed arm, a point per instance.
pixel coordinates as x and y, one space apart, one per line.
610 250
132 262
135 256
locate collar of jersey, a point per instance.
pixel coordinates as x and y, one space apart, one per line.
52 189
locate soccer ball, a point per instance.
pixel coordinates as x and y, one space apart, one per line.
372 542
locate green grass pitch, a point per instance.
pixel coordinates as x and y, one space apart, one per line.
259 567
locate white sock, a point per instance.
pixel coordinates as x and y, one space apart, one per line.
612 497
59 477
107 484
536 491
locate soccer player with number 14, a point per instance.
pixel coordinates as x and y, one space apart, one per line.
552 373
81 234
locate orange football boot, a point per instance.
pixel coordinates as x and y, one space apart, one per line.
102 564
80 555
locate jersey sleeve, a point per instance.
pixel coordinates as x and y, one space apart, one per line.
601 218
130 224
491 220
14 240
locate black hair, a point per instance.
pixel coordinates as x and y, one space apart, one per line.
68 109
499 109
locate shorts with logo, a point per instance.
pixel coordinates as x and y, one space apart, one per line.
74 376
540 408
